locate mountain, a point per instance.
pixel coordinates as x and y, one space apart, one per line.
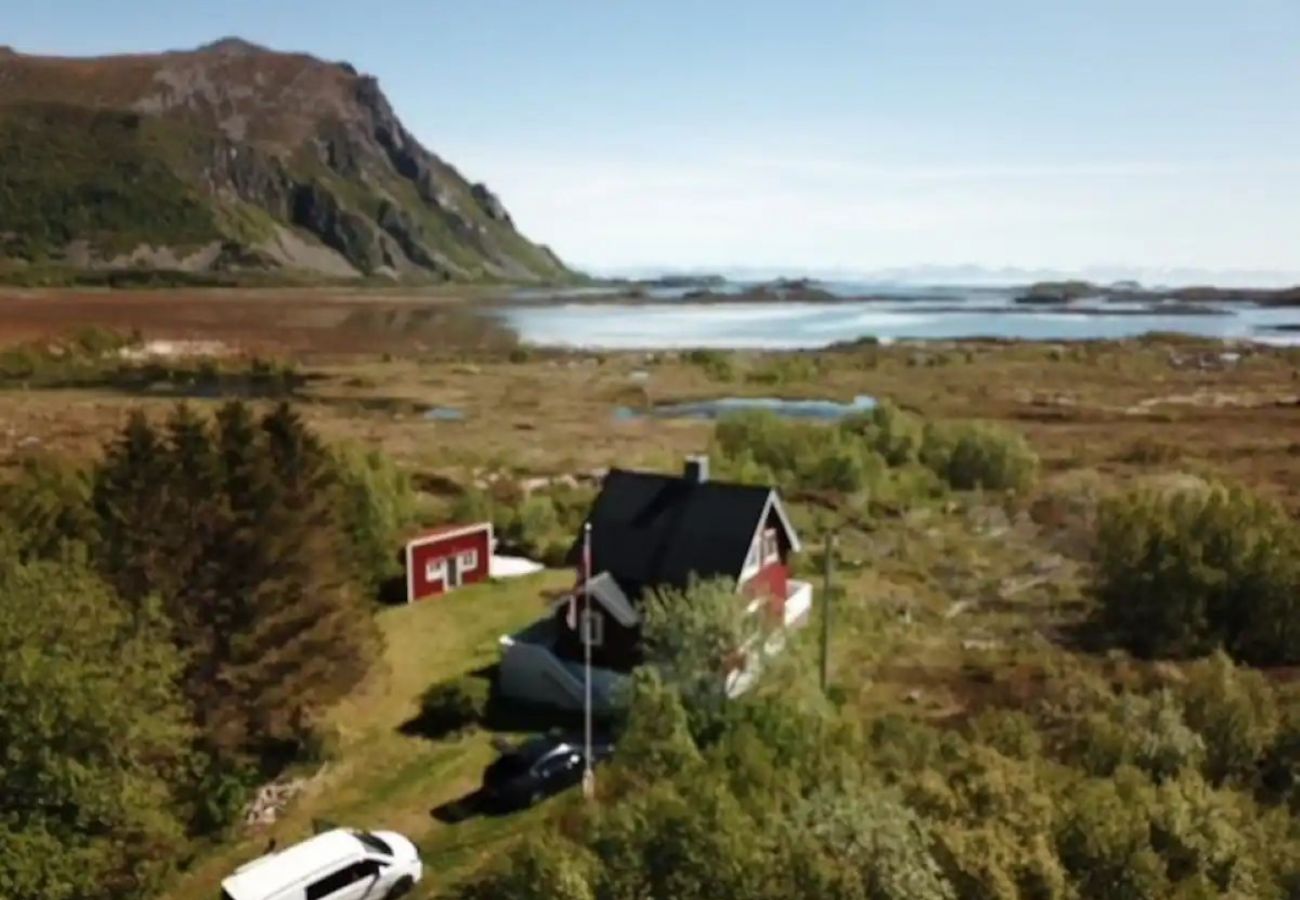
233 157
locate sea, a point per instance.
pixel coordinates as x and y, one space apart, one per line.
666 318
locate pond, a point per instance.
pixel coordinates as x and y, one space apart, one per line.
827 410
443 414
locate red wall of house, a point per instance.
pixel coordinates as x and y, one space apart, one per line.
772 581
435 548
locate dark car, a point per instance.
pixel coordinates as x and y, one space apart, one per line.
536 769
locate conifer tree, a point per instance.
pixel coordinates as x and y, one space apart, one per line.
130 500
234 527
310 638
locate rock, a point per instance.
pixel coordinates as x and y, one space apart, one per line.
491 205
270 801
956 609
315 208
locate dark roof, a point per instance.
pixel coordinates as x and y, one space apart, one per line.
651 529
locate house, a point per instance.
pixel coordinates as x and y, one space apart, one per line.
444 558
651 531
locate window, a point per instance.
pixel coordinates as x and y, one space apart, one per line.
468 560
350 874
771 547
435 570
374 842
558 763
592 624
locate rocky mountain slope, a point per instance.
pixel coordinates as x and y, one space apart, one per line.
235 158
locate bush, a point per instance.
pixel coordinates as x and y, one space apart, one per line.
716 364
455 705
1182 572
1009 731
761 446
1147 732
889 431
972 455
1235 713
787 368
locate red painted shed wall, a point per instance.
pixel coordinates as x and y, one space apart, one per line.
423 551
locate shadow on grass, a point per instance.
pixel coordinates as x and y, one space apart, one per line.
455 811
502 717
509 723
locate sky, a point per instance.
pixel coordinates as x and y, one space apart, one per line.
818 136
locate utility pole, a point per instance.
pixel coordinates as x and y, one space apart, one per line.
828 571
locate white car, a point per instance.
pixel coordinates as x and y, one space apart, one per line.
343 864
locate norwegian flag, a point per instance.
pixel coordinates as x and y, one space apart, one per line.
584 577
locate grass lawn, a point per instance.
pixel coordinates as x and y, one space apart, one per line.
380 777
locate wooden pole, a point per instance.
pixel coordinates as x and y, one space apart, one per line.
828 572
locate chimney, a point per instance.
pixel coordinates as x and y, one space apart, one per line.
697 469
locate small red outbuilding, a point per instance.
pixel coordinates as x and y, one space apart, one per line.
446 557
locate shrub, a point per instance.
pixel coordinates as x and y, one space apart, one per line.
787 368
1147 450
1009 731
972 455
807 455
1147 732
1235 713
1104 839
716 364
451 706
889 431
1185 571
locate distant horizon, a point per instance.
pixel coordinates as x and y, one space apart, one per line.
968 275
823 136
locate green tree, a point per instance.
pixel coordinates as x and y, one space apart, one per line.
882 847
696 638
309 636
132 504
541 868
377 509
46 507
656 742
688 839
236 528
93 735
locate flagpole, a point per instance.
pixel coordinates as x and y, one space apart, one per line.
588 774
